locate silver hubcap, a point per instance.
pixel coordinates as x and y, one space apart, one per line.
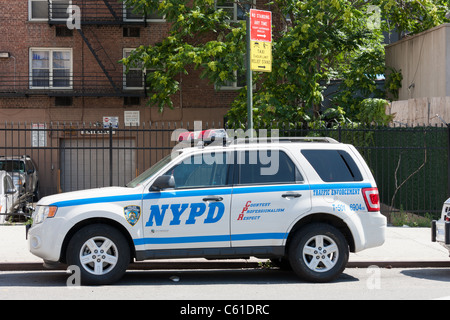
99 255
320 253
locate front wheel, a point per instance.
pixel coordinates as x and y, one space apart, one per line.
318 253
101 252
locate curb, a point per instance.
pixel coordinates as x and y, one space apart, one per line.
36 266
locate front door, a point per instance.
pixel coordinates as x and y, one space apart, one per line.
194 214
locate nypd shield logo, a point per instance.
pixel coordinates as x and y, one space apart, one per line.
132 214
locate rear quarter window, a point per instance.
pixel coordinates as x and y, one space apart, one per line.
333 165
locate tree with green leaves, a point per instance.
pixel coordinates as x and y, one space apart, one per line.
315 42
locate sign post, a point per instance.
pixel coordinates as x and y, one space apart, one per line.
259 53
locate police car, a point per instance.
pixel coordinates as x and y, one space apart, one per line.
440 230
306 201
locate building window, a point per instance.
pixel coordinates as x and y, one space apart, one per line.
63 101
131 32
240 80
63 31
236 11
58 9
50 68
131 101
39 9
134 78
129 15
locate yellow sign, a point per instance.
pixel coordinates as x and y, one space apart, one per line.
261 56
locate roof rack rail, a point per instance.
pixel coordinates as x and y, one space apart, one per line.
284 139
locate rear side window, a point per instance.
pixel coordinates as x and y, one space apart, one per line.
333 165
267 167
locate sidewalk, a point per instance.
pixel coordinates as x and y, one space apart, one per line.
403 247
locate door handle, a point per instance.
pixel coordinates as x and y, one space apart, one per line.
291 195
213 198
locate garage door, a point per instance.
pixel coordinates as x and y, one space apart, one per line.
85 163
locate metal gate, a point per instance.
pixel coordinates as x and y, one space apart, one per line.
91 163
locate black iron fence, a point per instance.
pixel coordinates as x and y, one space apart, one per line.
410 164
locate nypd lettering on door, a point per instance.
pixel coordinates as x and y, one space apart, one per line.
187 213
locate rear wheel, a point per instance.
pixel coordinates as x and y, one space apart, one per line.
101 252
318 253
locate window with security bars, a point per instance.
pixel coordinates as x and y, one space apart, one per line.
39 10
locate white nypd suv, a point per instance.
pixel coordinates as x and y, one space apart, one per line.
307 202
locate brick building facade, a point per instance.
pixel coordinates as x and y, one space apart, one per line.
49 73
55 82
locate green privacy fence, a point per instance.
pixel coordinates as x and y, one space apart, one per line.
410 164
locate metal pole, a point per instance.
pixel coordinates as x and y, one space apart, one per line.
448 159
249 84
110 155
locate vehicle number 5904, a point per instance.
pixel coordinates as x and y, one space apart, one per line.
356 207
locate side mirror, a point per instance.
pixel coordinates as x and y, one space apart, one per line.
163 182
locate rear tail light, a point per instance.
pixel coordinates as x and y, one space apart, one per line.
371 198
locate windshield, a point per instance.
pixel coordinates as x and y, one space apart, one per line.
12 165
151 171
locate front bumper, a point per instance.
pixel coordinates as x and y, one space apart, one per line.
44 242
440 232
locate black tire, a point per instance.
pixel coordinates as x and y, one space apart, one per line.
106 253
318 252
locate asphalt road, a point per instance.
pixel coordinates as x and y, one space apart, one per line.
250 284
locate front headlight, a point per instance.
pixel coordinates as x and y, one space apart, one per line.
43 212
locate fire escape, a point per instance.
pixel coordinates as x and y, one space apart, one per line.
94 14
82 79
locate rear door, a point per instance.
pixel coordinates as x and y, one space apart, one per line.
270 193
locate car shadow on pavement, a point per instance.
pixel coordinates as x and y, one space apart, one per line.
209 277
165 277
33 279
437 274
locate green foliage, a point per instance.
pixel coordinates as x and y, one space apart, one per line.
373 111
413 16
394 82
314 42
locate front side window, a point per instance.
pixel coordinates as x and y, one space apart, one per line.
333 165
201 171
50 68
12 166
